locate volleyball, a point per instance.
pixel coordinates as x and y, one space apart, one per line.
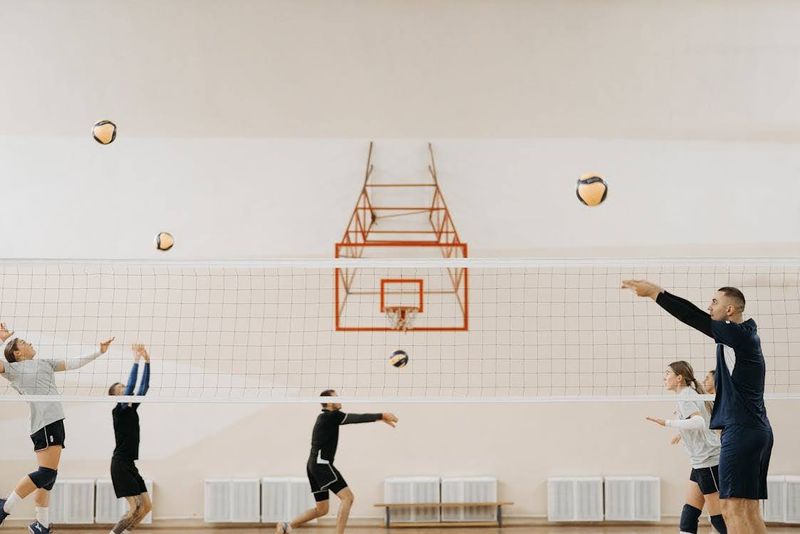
104 132
164 241
399 358
592 189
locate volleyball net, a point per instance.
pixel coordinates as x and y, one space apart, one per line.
475 330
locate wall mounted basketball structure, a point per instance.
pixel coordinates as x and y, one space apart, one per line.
401 220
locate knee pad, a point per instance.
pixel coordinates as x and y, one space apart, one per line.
690 516
44 478
719 523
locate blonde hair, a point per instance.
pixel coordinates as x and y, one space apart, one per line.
684 370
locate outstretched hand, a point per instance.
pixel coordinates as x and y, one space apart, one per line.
642 288
105 344
4 333
140 352
390 419
657 420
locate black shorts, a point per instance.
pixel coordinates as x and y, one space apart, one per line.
52 434
324 477
744 462
126 478
707 478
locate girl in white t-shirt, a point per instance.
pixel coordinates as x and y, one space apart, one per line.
36 376
701 443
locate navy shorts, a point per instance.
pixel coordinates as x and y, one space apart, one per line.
706 478
744 462
52 434
324 477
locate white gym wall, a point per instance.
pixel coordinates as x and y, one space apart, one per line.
238 118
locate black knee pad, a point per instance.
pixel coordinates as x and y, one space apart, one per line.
719 524
690 516
44 478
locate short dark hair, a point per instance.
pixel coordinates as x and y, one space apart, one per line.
111 389
327 393
8 352
734 294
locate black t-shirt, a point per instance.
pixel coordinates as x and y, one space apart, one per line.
126 431
325 437
739 378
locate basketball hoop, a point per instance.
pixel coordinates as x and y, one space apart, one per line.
401 317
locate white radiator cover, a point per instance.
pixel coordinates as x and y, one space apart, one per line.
284 498
793 499
420 489
575 499
783 504
469 489
72 502
109 509
232 501
632 498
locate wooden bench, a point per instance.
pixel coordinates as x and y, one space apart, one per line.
390 506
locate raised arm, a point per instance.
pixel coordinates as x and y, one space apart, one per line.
139 353
356 418
681 309
144 383
71 364
134 374
685 312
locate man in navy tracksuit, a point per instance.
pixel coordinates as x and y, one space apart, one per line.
739 409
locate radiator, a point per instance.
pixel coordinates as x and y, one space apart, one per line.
633 498
232 501
783 505
412 490
469 489
72 502
109 509
284 498
575 499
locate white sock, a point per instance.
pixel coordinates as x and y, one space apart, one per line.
11 502
43 516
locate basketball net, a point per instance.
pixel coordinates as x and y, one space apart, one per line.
401 317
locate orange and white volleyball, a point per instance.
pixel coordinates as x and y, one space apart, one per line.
592 189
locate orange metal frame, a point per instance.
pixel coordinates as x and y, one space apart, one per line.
362 235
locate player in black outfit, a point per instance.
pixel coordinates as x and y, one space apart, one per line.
739 409
322 474
125 476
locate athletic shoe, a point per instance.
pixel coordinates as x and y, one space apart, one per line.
38 528
3 513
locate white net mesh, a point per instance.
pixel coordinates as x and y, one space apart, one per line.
265 331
